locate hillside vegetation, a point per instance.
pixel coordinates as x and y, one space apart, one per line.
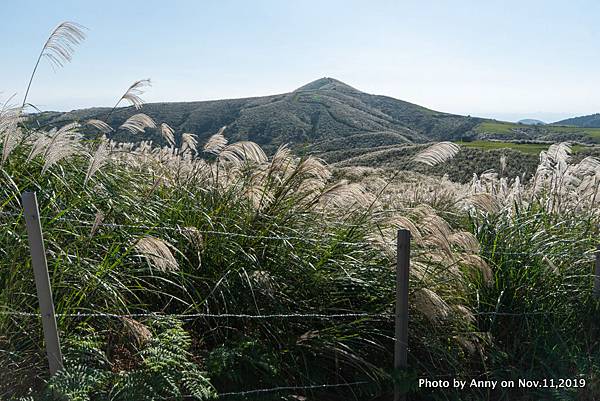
590 121
325 110
212 269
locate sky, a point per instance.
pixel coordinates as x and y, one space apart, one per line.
500 59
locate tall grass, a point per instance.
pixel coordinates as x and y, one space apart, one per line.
500 280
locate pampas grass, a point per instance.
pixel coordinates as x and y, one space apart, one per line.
437 153
216 143
138 123
98 159
168 134
189 143
133 94
59 48
10 132
157 252
99 125
140 228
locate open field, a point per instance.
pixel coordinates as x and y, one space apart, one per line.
529 148
529 132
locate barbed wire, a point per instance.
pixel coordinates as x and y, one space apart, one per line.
210 315
191 316
181 229
291 388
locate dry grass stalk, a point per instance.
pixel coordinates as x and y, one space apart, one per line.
98 219
437 153
157 252
216 143
137 331
99 125
99 159
168 134
138 123
189 143
134 92
431 305
242 152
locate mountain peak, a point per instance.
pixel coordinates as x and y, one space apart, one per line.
326 83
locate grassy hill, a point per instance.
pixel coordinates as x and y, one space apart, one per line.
322 111
590 121
499 130
345 126
324 115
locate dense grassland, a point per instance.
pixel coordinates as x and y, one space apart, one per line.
514 131
529 148
208 269
166 232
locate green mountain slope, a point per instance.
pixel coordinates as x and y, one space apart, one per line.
590 121
321 113
327 118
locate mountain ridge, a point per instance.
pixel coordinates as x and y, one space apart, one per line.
321 110
325 115
587 121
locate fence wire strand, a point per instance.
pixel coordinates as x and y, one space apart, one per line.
209 315
291 388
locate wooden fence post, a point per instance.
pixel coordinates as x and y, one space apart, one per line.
597 274
401 329
42 280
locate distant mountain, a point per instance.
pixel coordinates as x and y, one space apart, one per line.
324 117
325 111
591 121
531 121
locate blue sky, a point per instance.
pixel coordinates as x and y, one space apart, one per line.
502 59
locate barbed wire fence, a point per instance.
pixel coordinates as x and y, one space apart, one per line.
400 317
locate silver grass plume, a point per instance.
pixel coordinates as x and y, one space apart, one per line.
189 143
168 134
12 138
407 224
99 159
484 202
138 123
282 161
466 241
10 133
65 143
59 48
560 152
99 125
137 331
194 236
314 167
134 92
98 219
437 153
157 252
243 151
56 145
431 305
502 164
477 262
40 143
216 143
344 194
